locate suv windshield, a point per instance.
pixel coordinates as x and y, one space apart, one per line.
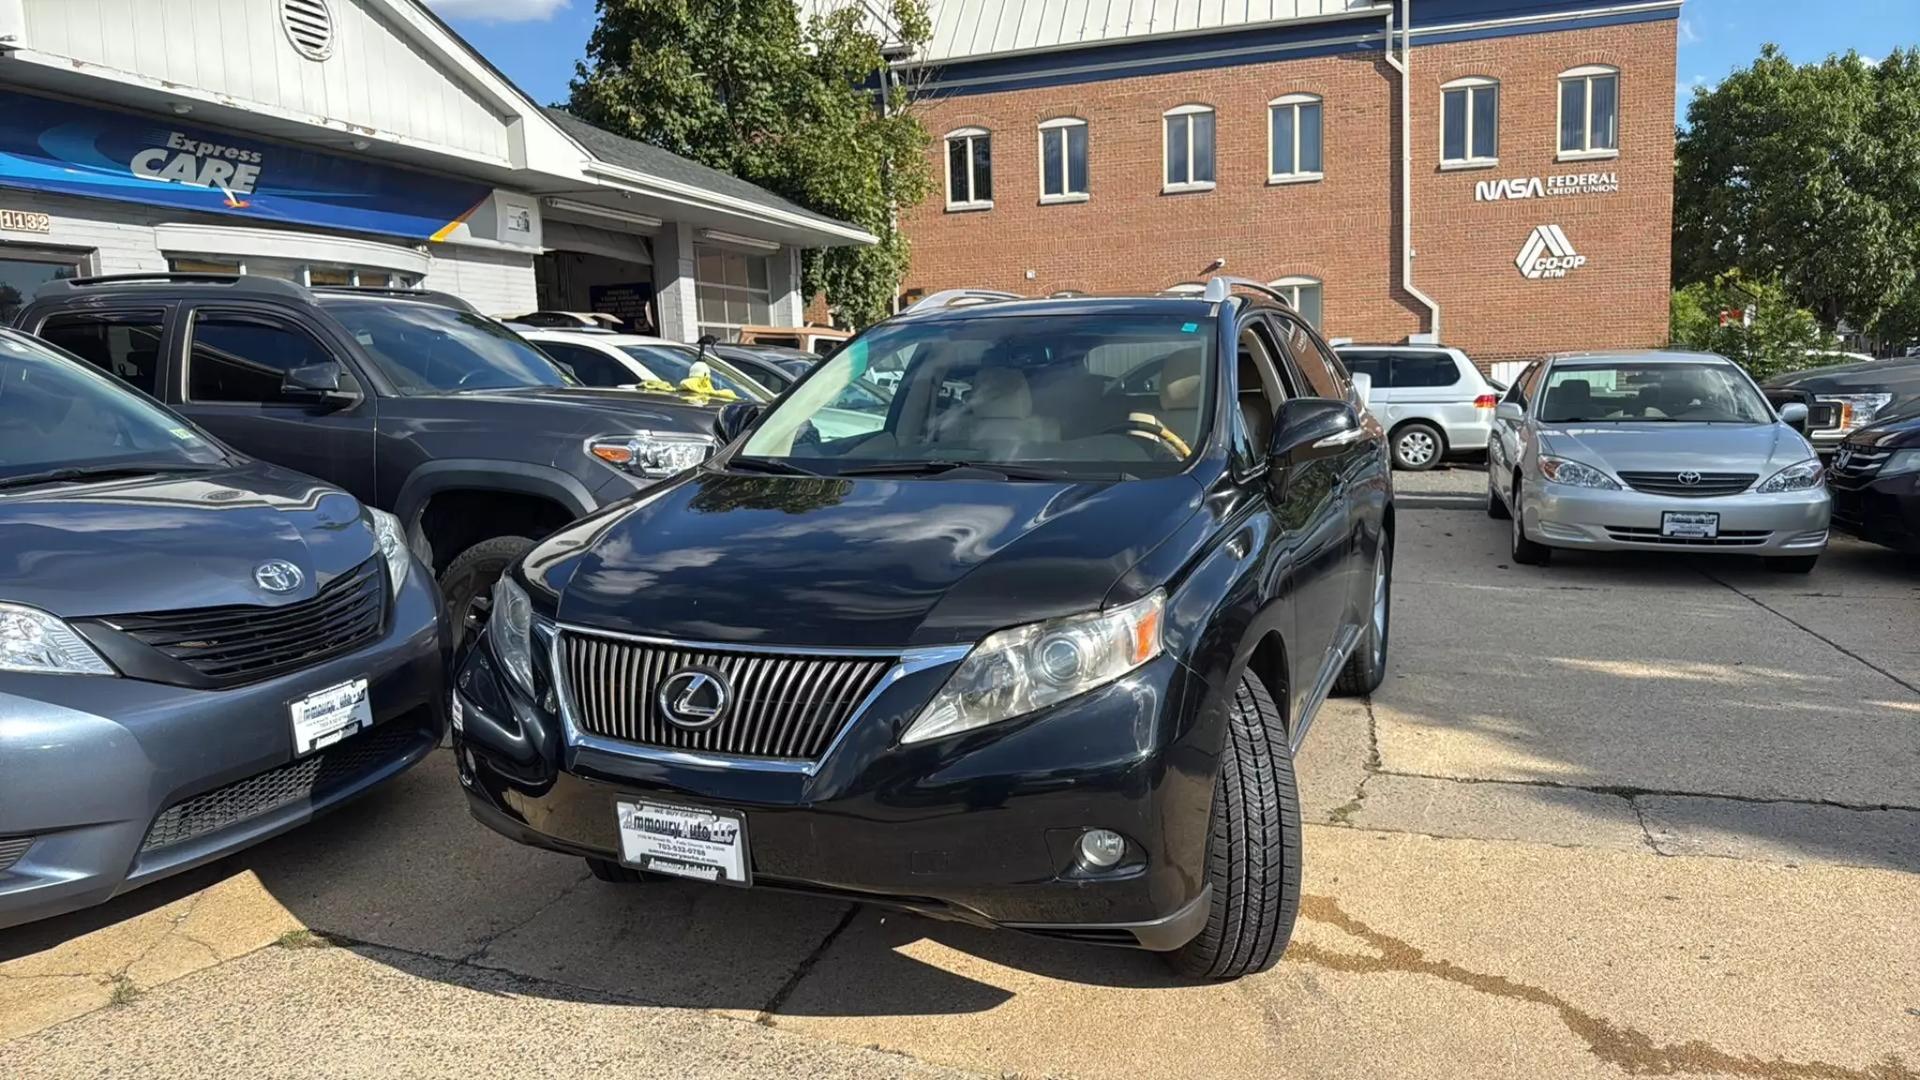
426 349
1660 393
672 363
58 414
1063 395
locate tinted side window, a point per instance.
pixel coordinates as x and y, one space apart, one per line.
1316 363
590 366
1523 385
125 344
1375 365
241 358
1424 369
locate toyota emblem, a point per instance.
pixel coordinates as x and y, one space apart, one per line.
693 698
1689 478
278 576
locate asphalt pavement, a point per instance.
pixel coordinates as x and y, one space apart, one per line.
1617 816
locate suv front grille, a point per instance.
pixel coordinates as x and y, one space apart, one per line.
245 643
1707 486
779 705
1861 464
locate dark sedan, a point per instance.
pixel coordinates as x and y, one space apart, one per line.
1876 483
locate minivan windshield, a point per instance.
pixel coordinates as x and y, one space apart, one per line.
428 349
1651 393
1067 396
62 419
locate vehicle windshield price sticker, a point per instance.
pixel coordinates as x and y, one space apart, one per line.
701 844
324 718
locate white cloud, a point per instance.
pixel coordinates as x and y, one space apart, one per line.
1688 35
498 10
1870 61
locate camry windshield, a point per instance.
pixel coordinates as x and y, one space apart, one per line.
1049 394
674 364
427 349
1657 393
60 416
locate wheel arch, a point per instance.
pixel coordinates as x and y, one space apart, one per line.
540 498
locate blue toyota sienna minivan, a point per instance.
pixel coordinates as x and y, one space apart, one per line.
197 650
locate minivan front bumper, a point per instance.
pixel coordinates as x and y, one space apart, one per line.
981 827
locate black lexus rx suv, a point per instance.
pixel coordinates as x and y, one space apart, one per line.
1030 643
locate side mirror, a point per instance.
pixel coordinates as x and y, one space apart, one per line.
1509 411
316 382
1794 415
1363 388
734 419
1309 428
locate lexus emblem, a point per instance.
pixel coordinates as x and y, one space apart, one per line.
1689 478
693 698
278 576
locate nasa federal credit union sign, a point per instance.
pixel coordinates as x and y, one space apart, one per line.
70 149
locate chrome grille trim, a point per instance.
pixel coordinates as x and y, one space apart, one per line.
1710 485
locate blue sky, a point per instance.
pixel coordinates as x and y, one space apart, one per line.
537 41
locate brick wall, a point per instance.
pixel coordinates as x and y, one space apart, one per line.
1344 229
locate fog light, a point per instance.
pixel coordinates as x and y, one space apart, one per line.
1102 847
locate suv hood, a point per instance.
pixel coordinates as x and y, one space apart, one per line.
1761 448
853 562
175 541
576 410
1899 377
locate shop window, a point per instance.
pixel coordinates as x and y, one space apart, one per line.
1063 160
1294 139
731 289
241 359
22 272
1187 135
125 344
206 266
1304 294
969 169
1470 123
1589 113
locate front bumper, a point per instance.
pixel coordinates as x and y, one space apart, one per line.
115 782
979 827
1789 523
1885 511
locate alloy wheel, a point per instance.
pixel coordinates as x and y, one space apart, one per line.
1417 448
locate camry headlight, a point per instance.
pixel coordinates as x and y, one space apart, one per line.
1030 667
652 453
510 628
1575 474
38 643
393 547
1856 410
1796 477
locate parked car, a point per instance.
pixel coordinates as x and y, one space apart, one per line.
630 361
772 366
567 320
818 340
1847 397
1654 451
197 650
1037 659
1433 401
409 400
1876 483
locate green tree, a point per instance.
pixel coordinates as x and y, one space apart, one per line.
1808 175
1753 323
747 87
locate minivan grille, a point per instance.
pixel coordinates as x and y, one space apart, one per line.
779 705
1705 485
245 643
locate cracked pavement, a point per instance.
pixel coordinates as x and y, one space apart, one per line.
1618 816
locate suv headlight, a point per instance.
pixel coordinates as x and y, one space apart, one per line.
1796 477
35 642
510 628
1030 667
1856 410
1575 474
652 453
393 547
1902 461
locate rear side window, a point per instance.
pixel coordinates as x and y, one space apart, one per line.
1424 370
241 358
125 344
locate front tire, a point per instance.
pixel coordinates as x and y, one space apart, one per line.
1417 446
1253 846
1793 564
1366 669
1525 552
467 586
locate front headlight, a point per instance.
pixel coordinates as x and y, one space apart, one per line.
1796 477
1030 667
1902 461
1856 410
652 453
35 642
510 628
393 547
1574 474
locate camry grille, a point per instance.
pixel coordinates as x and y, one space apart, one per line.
775 705
1690 485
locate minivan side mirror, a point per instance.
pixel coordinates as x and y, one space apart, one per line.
1309 428
315 382
1363 388
1510 411
734 419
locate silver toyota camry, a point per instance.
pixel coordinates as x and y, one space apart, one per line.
1654 451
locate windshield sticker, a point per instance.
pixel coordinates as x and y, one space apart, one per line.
1188 328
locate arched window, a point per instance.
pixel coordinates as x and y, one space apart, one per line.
1470 122
1063 160
1304 294
969 169
1294 139
1590 112
1187 141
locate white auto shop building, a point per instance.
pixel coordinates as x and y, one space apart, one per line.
359 142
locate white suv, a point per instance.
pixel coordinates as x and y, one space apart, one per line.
1431 398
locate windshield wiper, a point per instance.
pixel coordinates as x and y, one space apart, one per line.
940 466
769 465
97 472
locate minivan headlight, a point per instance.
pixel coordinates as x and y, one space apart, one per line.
393 547
654 454
510 628
1019 670
1575 474
1796 477
37 643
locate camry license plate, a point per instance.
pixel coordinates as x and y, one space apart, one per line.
1689 525
706 845
324 718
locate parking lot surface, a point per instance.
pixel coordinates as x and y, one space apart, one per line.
1621 815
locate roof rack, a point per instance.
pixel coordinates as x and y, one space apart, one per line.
946 298
427 296
1219 287
247 283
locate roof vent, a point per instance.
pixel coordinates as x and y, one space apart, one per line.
309 25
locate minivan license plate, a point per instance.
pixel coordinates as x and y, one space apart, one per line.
324 718
1689 525
705 845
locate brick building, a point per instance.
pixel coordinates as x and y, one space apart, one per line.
1099 145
